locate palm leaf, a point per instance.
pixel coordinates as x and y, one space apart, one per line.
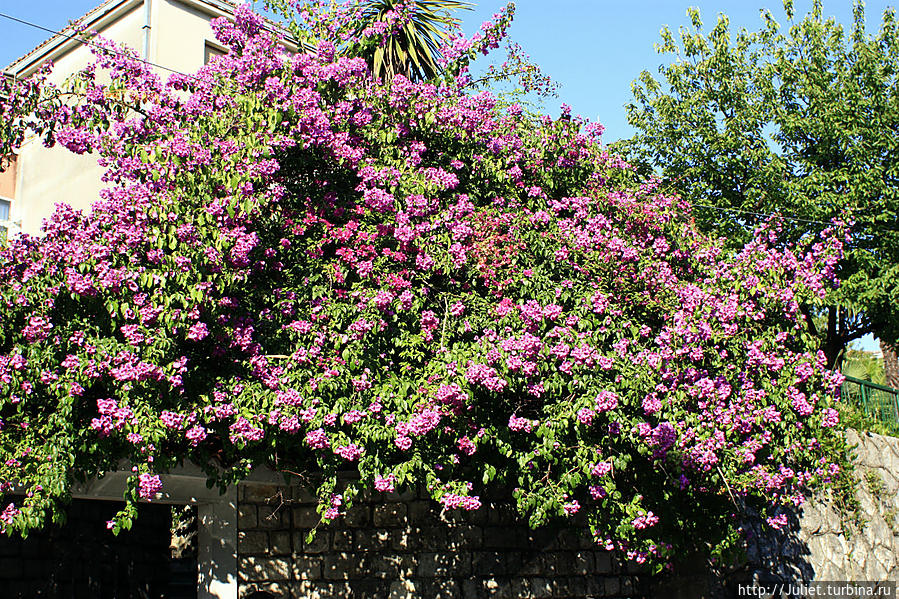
414 49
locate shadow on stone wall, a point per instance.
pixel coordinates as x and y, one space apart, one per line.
404 546
819 543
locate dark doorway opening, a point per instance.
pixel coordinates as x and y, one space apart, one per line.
156 559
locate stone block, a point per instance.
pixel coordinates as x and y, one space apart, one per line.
308 589
368 588
560 587
515 561
470 589
556 563
463 537
405 539
632 567
358 516
604 563
431 565
440 589
583 563
343 540
479 517
531 565
612 586
344 566
314 590
305 495
505 538
567 539
422 511
488 563
542 538
306 567
390 514
275 589
502 514
521 588
246 516
305 516
541 588
261 493
8 547
373 539
280 542
573 587
394 565
257 569
433 538
272 516
403 589
320 543
252 542
399 497
35 568
11 567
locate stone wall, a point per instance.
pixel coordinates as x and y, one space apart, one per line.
404 546
819 544
822 545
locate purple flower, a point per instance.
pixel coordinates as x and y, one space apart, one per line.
149 485
384 484
197 332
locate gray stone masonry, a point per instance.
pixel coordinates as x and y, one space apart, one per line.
869 553
403 546
819 544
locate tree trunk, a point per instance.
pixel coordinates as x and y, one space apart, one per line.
890 363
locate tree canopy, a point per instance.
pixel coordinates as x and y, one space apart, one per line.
298 266
802 122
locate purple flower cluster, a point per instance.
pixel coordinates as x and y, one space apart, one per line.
363 273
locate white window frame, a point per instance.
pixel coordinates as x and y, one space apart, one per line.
7 223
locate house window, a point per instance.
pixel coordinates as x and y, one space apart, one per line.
4 217
211 51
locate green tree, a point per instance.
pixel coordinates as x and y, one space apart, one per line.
801 122
864 365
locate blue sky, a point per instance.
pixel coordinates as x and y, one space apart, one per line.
593 48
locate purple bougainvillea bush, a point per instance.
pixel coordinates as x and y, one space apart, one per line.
295 265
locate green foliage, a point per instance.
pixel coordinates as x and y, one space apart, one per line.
301 267
864 365
802 122
854 418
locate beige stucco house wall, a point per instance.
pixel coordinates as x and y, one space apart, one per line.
170 33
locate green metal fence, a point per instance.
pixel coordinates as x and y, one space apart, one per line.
878 402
